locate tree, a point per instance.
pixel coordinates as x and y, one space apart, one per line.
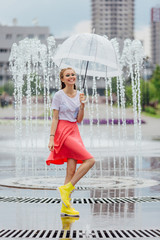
156 81
33 78
9 88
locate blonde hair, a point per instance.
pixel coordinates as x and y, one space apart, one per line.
61 75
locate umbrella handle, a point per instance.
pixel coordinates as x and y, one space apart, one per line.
82 91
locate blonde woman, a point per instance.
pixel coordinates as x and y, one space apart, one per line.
65 142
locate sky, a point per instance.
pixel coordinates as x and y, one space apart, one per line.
66 17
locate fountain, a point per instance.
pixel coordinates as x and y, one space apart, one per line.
32 66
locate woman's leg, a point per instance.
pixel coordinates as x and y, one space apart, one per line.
66 190
82 170
70 171
81 151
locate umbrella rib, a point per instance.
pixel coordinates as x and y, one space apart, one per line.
69 50
73 44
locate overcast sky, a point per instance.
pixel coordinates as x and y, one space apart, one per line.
66 17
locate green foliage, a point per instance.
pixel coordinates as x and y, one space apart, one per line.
8 88
128 95
148 94
1 90
152 92
114 85
156 81
144 93
150 110
32 85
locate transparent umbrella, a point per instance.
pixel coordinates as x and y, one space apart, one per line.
89 54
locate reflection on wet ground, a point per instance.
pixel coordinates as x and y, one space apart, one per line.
93 216
101 215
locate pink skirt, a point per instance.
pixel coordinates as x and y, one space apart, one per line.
67 144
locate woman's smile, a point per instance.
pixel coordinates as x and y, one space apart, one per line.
71 80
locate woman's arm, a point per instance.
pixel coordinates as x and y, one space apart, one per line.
53 129
80 113
81 109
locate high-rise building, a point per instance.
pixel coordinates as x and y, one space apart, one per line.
155 35
114 18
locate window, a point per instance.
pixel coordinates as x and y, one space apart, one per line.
42 36
3 50
19 36
1 64
8 36
30 35
1 77
8 77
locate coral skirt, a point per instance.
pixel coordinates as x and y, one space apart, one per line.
67 144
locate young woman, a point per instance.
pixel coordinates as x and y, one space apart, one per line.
65 141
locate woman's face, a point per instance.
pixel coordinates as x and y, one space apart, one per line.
69 77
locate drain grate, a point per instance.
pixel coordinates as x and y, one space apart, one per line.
79 233
81 200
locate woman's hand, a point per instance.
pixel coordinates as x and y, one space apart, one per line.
82 98
51 143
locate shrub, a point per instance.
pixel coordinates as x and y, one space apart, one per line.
9 88
156 81
1 90
128 95
150 110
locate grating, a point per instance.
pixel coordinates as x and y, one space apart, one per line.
67 234
81 200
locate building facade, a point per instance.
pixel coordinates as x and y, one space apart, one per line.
114 18
155 35
13 34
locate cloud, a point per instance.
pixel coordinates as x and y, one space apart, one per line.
83 27
144 34
80 27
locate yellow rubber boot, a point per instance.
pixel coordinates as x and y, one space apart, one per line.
65 192
68 211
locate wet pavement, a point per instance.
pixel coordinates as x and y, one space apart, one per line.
104 213
40 210
117 212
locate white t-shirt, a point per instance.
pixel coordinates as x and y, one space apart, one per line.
68 107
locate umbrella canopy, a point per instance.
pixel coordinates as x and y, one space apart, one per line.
91 50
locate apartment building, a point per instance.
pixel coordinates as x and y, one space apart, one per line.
155 35
114 18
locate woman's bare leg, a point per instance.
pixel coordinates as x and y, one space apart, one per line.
70 171
82 170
